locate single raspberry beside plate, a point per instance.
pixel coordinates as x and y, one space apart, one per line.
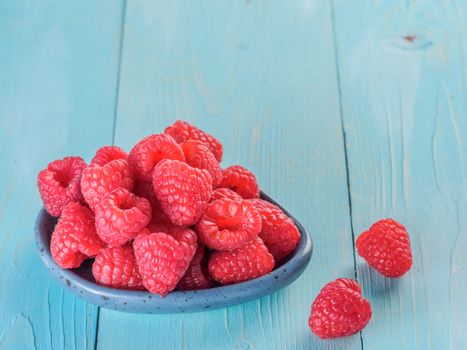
229 224
107 154
198 155
120 216
240 180
386 248
116 268
163 259
59 184
339 310
242 264
197 275
181 131
183 191
151 150
74 238
223 192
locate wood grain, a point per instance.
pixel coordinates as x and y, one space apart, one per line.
58 70
402 69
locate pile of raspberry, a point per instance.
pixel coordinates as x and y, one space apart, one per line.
164 216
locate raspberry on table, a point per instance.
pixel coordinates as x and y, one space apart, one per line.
151 150
198 155
97 181
223 192
163 259
229 224
183 191
240 180
59 184
242 264
107 154
116 268
74 238
181 131
339 310
386 248
120 216
278 232
197 276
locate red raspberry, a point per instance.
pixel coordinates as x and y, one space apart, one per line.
223 192
116 268
59 184
150 151
183 192
228 224
339 310
145 189
198 155
386 248
181 131
97 181
242 264
197 275
120 216
278 231
74 238
240 180
163 259
107 154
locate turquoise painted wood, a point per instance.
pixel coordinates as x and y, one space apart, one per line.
280 84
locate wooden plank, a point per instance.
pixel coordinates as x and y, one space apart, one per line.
262 78
403 72
58 72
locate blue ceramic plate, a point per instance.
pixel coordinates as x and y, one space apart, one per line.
81 282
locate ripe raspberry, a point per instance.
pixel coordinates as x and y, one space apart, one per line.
97 181
116 268
240 180
278 231
228 224
339 310
242 264
120 216
163 259
59 184
149 151
181 131
145 189
198 155
386 248
197 275
223 192
183 192
107 154
74 238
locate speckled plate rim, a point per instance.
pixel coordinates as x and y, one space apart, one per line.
177 301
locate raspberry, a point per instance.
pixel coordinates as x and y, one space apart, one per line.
339 310
242 264
181 131
150 151
107 154
183 192
240 180
144 189
163 259
197 275
120 216
198 155
74 238
59 184
116 268
386 248
228 224
278 231
97 181
223 192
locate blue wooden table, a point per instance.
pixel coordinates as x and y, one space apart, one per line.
347 111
